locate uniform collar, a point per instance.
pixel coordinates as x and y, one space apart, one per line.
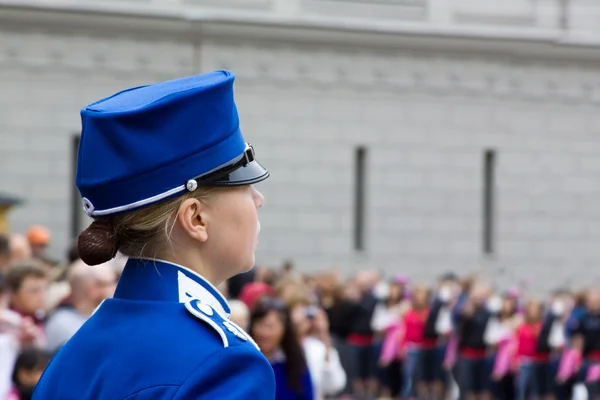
158 280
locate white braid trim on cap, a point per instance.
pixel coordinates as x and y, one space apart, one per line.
91 211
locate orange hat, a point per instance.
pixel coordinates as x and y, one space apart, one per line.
38 235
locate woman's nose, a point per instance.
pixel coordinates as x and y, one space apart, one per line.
259 199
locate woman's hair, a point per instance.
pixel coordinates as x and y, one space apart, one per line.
423 290
538 308
514 303
295 363
138 233
391 300
19 271
29 359
293 290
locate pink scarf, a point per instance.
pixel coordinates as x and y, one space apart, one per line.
505 357
570 362
392 343
451 351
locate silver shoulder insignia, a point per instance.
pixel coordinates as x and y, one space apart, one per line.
239 332
204 312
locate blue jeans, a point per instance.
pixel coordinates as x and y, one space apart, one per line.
409 372
472 375
526 384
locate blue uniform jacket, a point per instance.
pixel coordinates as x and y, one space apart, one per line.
164 335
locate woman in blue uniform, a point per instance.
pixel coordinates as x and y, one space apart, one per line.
167 176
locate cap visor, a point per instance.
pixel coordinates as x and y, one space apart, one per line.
247 175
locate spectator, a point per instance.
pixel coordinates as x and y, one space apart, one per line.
236 283
271 327
21 325
532 364
473 373
27 371
312 327
502 385
39 238
253 292
553 341
339 306
27 283
240 314
361 337
19 248
4 253
419 352
388 312
587 340
90 285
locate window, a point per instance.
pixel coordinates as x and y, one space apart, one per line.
489 166
360 158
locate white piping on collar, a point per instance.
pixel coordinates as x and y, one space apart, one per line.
220 296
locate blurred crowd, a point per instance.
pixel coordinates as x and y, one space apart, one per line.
329 336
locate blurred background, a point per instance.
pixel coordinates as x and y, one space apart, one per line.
443 140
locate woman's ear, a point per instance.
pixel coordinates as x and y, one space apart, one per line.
193 219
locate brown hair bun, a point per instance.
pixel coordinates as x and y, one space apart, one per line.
98 243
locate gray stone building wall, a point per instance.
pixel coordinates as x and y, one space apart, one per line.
424 106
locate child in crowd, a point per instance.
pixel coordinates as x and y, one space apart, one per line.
28 369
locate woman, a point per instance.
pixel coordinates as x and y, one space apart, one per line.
339 310
166 174
502 345
471 321
553 341
386 319
312 326
585 328
271 327
419 352
26 372
531 364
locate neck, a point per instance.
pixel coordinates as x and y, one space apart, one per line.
274 355
84 307
198 266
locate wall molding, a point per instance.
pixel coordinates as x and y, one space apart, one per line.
325 66
397 10
243 4
197 23
415 72
490 12
43 51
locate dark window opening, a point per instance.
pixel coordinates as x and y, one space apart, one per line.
360 158
489 167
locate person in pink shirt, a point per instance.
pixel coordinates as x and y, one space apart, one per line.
528 360
416 379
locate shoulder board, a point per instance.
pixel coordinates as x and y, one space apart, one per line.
205 312
239 332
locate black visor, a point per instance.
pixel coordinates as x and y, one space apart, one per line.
245 171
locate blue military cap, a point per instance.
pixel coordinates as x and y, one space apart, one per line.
148 143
